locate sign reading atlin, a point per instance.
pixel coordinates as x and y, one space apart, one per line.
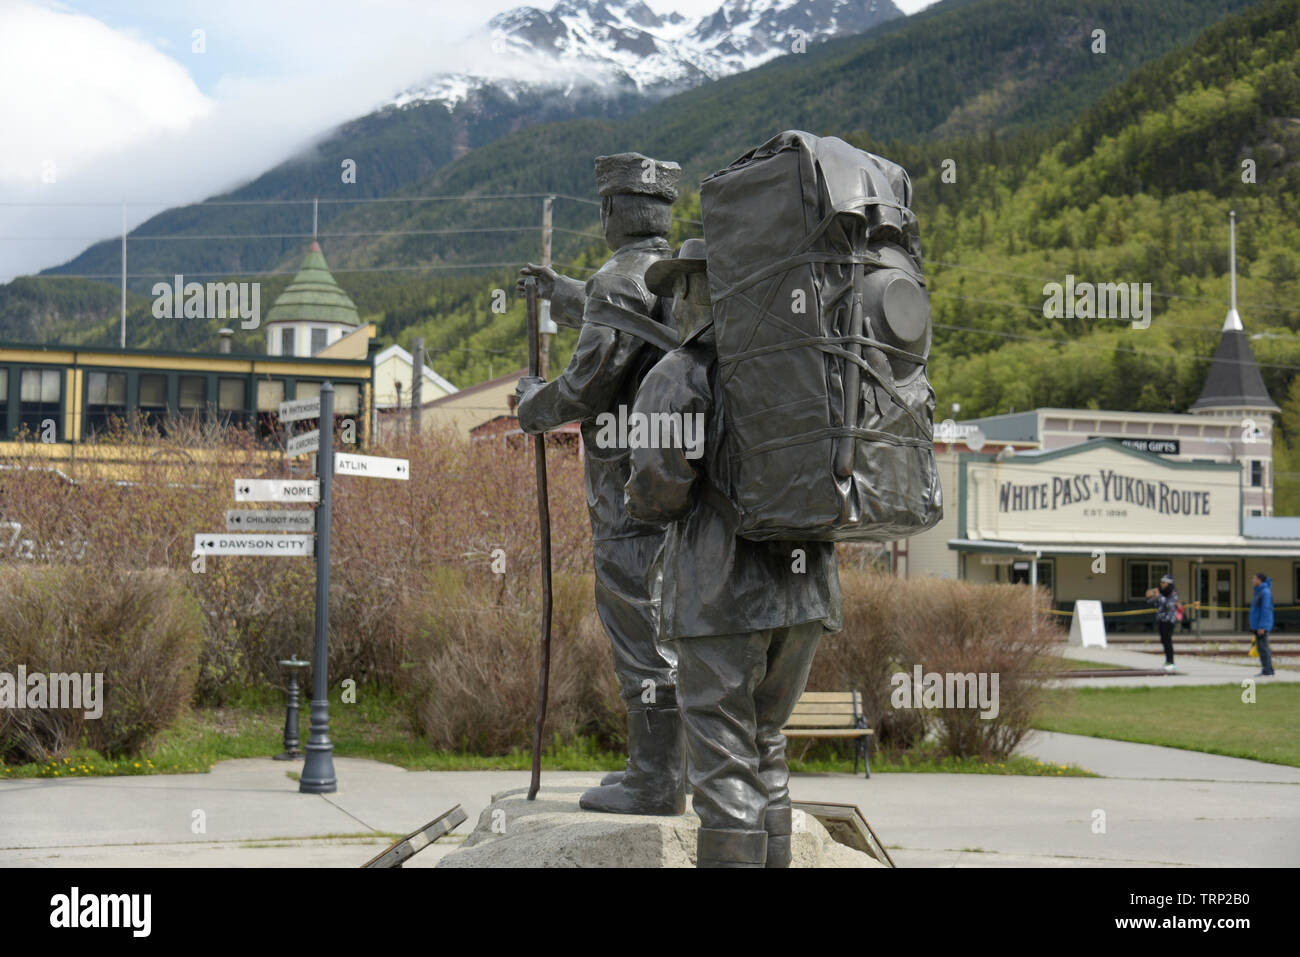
1154 446
1102 487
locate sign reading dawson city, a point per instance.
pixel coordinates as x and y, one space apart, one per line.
1101 494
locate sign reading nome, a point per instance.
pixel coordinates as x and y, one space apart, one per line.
1104 487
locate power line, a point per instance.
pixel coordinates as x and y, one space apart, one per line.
1154 292
287 272
1082 344
443 197
382 232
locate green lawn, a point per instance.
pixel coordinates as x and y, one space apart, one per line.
1211 718
252 726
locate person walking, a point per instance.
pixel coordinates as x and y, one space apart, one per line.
1168 606
1261 621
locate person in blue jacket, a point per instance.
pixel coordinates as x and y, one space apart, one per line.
1261 620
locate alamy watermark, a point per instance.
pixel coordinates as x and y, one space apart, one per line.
1106 300
75 909
949 690
212 300
54 691
652 430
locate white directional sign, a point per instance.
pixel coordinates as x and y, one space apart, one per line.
225 543
374 466
296 409
283 520
303 444
277 490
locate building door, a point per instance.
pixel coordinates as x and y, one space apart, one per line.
1214 588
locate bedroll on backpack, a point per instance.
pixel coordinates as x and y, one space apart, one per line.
823 331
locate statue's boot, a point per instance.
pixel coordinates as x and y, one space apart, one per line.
655 782
715 847
776 824
616 776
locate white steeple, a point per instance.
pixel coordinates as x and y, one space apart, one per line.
1233 320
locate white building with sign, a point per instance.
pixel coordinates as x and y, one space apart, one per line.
1098 505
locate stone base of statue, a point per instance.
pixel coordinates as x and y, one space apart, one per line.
553 831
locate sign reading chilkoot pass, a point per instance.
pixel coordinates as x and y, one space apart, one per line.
216 543
297 409
373 466
283 520
277 490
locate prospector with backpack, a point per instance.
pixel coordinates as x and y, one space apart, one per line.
823 331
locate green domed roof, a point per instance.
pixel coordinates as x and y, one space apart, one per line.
314 296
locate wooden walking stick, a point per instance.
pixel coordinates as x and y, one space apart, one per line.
544 523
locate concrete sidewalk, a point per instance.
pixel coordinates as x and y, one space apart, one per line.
1192 670
1160 809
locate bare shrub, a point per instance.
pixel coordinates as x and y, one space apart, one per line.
945 626
472 680
142 631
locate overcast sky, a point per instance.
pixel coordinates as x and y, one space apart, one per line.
108 101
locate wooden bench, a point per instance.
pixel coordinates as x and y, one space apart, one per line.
831 714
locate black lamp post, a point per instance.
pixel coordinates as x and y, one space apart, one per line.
318 768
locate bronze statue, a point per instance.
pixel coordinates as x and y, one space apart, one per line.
607 366
744 617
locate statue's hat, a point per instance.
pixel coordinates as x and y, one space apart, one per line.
662 275
634 173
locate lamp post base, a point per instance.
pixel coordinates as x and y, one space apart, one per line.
318 770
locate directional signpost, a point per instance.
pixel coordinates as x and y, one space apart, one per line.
225 543
295 410
262 532
280 520
303 444
372 466
318 768
277 490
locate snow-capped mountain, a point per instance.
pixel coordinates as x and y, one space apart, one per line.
624 45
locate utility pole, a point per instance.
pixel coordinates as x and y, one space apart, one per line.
545 326
123 341
417 383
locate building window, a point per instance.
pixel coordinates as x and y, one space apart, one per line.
153 401
347 399
4 402
270 393
192 394
1019 574
286 342
1256 512
1143 576
38 400
105 400
230 401
318 338
1256 473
